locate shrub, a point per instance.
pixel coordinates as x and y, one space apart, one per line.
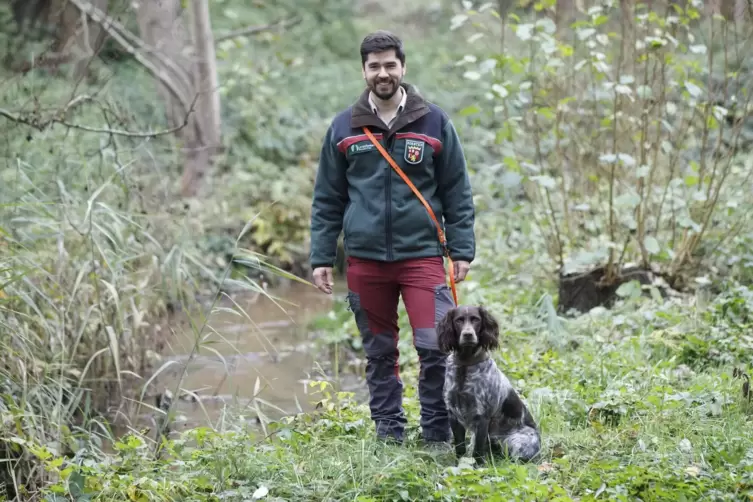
628 135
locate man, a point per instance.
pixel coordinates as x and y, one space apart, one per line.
390 240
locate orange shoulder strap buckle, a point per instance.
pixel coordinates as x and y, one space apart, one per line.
440 233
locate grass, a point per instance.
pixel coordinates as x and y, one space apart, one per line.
639 402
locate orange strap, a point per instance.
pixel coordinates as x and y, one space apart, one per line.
441 235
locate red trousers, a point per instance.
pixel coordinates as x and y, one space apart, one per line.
374 290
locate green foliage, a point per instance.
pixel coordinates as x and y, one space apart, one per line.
627 131
278 95
91 257
640 402
625 412
93 249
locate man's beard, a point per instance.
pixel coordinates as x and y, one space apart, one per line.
385 92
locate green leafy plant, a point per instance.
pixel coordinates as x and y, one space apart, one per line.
627 134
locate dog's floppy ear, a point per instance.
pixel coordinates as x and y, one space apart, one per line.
446 332
489 336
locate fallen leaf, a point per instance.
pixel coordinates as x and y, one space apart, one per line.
546 467
260 492
693 470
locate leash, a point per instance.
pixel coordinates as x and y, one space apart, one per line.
440 233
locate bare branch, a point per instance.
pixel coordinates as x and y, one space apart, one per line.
119 34
59 118
253 30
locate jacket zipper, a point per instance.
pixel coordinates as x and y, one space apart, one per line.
388 199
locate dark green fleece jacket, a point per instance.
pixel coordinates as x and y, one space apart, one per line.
357 192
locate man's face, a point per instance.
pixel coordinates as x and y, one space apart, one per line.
383 73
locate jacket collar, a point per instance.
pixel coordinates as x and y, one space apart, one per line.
362 113
400 107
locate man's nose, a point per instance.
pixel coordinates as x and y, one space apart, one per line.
383 72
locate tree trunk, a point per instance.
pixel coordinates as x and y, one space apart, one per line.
192 69
90 40
206 69
713 7
504 7
564 16
77 39
742 11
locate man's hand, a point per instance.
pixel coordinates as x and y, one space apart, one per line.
461 270
323 279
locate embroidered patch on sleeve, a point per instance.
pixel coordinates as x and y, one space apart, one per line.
414 151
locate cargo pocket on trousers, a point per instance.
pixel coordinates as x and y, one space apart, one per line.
442 302
354 301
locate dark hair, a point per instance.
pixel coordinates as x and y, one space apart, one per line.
380 41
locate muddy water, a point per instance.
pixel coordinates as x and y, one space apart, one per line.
256 358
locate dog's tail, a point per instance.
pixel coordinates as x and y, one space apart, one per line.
523 444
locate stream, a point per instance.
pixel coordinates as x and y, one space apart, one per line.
256 358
